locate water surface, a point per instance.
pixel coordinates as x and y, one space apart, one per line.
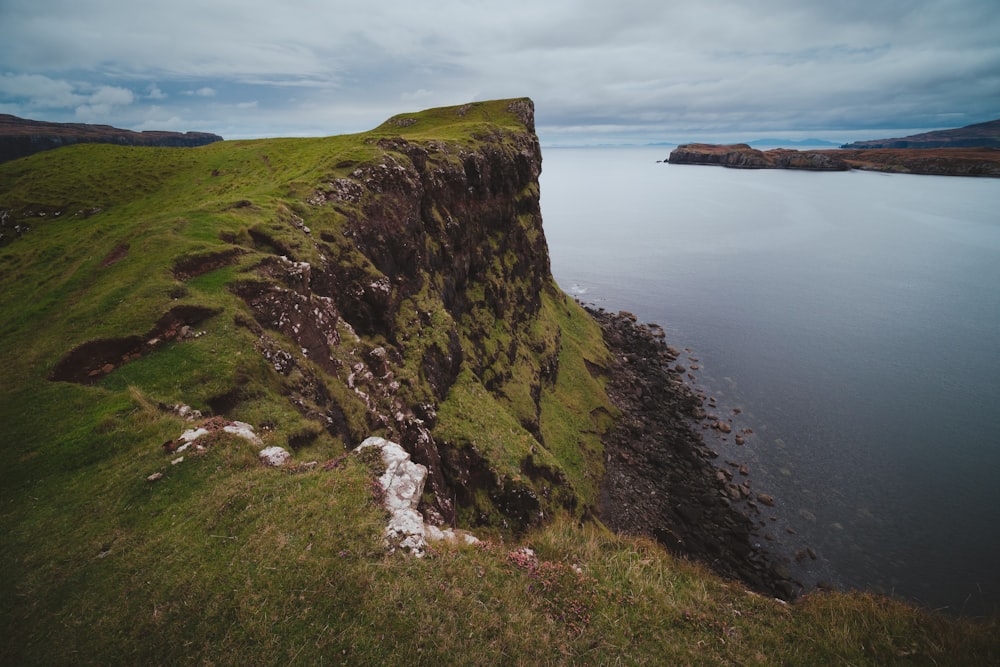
853 317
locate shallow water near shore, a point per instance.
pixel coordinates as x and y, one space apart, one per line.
854 320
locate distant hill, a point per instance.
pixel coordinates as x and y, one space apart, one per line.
20 137
980 135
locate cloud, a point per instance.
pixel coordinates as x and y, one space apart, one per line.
153 92
201 92
103 102
648 67
38 91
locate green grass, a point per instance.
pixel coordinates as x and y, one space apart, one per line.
223 561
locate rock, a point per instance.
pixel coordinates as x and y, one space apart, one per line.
154 477
274 456
193 434
243 430
765 499
403 483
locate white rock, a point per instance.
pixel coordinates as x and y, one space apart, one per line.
243 430
403 483
193 434
274 456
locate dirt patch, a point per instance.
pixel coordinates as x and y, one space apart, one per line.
186 268
118 254
89 362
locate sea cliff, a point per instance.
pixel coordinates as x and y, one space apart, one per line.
196 343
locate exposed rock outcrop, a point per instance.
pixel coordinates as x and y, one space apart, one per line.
20 137
402 484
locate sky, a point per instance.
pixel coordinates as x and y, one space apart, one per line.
599 72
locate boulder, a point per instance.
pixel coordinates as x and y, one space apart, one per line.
274 456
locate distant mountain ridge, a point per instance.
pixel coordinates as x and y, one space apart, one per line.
20 137
979 135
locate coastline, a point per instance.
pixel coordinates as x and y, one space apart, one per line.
663 478
970 162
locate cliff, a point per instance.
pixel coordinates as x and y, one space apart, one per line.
194 345
20 137
979 135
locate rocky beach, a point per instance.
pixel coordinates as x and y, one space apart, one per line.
663 475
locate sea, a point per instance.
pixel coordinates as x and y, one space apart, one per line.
847 322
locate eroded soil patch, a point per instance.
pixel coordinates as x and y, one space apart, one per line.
186 268
89 362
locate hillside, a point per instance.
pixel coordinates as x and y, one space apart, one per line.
979 135
20 137
170 318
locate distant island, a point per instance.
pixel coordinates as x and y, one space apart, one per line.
980 135
20 137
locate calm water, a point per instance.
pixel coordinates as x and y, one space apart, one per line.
853 317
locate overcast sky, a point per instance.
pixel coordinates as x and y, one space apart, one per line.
621 71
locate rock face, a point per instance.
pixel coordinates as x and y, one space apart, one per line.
20 137
440 256
742 156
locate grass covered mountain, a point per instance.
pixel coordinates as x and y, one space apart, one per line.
392 283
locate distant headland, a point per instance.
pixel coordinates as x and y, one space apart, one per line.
969 151
20 137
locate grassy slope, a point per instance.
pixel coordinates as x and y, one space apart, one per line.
224 561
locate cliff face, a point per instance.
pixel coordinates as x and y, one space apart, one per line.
20 137
439 256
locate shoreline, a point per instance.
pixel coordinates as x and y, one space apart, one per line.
663 479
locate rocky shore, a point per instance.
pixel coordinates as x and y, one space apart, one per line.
661 476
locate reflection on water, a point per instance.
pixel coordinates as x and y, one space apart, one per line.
853 319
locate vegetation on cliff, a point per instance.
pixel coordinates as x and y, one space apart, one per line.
393 283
